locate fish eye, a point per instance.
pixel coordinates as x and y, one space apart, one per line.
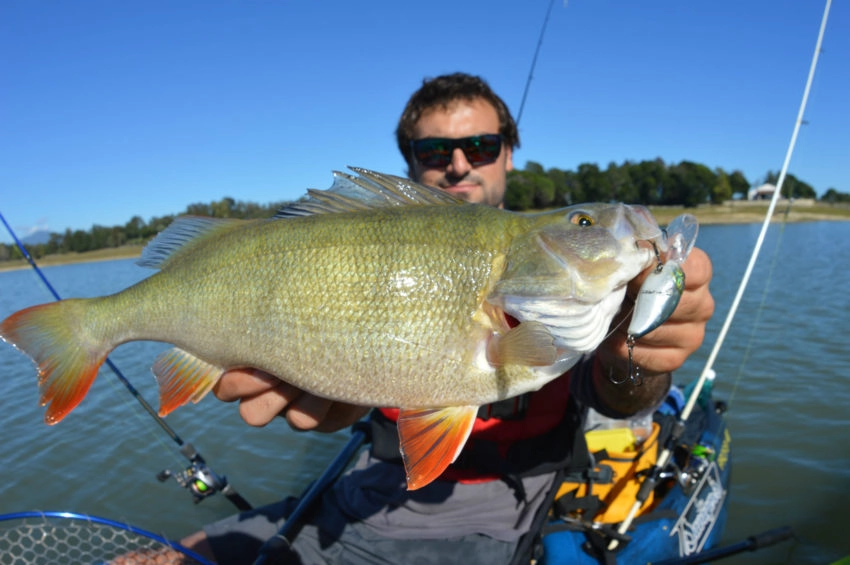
581 219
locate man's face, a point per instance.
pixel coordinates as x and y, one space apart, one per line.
484 184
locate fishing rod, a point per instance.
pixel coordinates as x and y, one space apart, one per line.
198 477
649 482
271 550
534 62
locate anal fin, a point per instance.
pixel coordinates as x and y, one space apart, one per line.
182 377
431 438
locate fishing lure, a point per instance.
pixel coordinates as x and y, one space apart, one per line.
660 292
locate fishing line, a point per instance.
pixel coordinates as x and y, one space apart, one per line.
761 308
145 423
664 456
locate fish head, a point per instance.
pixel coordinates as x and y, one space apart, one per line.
570 269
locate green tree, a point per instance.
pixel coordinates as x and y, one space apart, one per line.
224 208
544 191
593 184
689 184
623 189
649 178
80 241
534 168
518 193
739 184
133 229
722 189
54 244
567 191
832 196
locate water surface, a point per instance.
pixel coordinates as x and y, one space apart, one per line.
785 370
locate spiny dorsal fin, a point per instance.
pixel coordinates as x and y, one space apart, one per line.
369 190
181 234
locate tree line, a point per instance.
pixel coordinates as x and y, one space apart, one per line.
534 187
137 231
651 183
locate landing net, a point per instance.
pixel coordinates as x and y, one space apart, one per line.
47 538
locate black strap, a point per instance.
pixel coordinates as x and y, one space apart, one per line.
530 545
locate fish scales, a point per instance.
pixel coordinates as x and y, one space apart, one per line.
337 304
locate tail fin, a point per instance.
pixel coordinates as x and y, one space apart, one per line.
67 362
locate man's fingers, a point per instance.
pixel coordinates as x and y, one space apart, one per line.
307 412
260 409
238 383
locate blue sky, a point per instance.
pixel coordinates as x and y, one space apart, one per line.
111 109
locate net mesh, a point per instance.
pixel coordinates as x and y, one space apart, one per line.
43 540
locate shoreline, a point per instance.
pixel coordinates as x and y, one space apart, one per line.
112 254
706 216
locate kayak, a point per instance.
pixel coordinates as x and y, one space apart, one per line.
684 514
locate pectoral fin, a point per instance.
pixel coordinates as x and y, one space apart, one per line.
431 439
530 344
182 377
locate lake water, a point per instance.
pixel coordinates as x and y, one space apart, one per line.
785 370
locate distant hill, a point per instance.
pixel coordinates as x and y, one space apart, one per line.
36 238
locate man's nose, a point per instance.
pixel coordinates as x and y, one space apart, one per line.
459 165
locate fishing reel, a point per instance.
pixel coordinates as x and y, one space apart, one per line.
197 478
201 481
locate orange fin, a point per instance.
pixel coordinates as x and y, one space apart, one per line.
529 344
182 377
50 336
431 438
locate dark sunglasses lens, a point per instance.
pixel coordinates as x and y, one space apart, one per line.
436 152
482 149
433 152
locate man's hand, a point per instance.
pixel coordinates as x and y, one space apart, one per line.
660 351
262 397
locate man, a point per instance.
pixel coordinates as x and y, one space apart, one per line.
483 505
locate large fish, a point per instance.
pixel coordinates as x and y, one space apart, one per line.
378 291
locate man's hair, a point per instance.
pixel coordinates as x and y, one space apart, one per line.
441 92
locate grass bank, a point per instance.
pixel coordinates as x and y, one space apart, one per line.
126 252
753 212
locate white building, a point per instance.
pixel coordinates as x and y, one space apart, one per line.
764 192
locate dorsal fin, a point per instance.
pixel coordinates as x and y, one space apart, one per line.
368 190
183 233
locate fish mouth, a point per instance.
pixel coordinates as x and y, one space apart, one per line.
641 225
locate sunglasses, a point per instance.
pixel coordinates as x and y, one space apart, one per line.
436 152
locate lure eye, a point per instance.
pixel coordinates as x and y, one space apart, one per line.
581 219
